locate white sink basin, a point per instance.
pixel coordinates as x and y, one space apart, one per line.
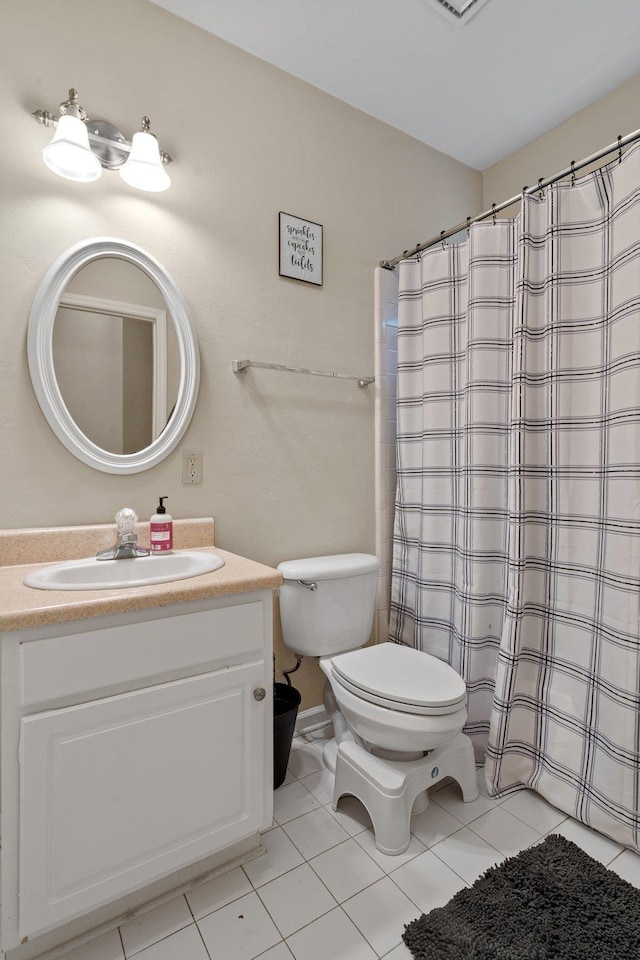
92 574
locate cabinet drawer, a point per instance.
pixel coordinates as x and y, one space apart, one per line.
79 663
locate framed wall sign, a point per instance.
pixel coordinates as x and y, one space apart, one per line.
300 249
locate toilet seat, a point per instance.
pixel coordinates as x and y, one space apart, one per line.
400 678
386 724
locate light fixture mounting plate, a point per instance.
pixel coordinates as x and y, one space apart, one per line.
108 153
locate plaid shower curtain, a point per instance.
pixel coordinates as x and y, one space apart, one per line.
517 534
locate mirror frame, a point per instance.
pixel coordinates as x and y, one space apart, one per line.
40 356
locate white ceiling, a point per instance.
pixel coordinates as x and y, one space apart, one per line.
477 90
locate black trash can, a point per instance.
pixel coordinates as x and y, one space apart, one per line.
286 701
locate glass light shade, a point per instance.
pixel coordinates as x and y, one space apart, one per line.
69 154
144 168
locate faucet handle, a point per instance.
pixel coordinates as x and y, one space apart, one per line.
126 520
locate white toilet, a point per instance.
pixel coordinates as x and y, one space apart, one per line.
397 713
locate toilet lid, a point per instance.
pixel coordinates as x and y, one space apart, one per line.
399 674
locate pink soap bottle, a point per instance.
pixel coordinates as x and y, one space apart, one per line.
161 529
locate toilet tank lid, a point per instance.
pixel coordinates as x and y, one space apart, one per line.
334 567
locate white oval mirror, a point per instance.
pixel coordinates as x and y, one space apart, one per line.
113 356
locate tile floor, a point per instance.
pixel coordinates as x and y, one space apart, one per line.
323 889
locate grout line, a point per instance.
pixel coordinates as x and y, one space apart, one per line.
308 860
349 920
189 905
367 887
331 812
222 905
565 815
332 895
342 842
129 956
300 814
449 867
202 938
361 932
421 911
336 904
267 882
265 952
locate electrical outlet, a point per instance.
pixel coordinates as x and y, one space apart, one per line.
192 468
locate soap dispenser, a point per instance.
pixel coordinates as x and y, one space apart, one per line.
161 529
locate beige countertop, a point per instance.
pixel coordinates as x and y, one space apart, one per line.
22 606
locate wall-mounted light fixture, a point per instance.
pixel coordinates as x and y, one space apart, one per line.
81 148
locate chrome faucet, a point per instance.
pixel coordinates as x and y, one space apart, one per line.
126 546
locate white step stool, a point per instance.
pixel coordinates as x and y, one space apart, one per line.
389 788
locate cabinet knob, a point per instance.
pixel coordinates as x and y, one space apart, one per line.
259 693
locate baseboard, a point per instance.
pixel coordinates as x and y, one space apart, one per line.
314 721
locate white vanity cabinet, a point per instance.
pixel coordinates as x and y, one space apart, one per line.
133 746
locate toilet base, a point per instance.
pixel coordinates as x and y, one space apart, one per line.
389 789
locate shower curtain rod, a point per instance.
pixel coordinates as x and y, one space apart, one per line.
572 169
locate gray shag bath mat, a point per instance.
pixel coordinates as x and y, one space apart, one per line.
551 902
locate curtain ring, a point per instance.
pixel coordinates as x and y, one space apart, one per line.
468 226
573 173
541 188
619 148
442 233
493 215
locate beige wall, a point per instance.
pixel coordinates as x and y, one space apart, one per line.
287 461
580 136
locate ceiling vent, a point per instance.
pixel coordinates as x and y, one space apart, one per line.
457 11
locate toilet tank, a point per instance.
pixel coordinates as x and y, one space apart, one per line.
332 609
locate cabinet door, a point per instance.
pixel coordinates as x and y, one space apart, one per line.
119 792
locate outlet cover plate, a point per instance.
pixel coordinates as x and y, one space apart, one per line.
192 467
